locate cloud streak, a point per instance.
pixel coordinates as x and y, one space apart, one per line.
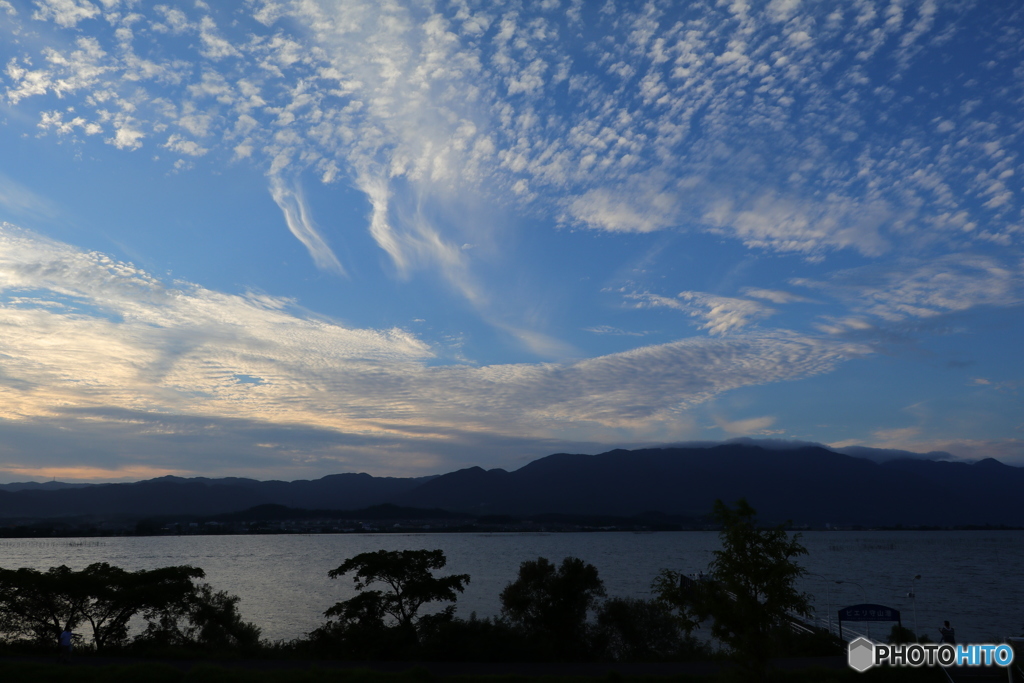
925 289
134 351
721 314
300 222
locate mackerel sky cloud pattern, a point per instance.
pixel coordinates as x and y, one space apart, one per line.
581 224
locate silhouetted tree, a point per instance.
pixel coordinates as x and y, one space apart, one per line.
678 592
410 583
358 629
200 617
751 586
551 603
116 595
40 605
631 629
478 640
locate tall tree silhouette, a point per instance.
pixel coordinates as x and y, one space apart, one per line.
750 591
551 603
410 584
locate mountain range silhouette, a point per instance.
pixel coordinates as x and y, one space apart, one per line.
809 485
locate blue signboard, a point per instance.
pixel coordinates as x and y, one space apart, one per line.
869 612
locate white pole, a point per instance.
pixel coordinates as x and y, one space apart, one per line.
913 601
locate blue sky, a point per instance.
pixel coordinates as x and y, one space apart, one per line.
285 239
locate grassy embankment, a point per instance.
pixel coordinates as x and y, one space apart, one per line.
154 672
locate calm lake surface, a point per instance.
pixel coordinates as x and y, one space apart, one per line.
971 578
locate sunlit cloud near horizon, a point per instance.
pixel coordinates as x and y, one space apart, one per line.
288 239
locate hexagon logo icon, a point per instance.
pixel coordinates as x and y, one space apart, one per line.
861 654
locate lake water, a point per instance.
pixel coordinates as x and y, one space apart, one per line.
972 578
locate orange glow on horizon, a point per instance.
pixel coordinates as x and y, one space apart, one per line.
85 473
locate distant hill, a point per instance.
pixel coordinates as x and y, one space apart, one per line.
806 484
202 496
40 486
810 485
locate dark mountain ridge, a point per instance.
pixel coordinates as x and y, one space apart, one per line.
807 484
203 496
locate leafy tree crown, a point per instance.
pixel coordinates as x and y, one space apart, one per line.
407 574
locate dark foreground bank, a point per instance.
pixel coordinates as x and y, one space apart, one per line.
107 670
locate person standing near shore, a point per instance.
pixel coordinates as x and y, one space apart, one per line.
64 643
947 633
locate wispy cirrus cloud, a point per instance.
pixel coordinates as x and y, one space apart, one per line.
17 198
924 289
614 331
136 351
910 441
300 221
773 295
748 426
729 118
721 314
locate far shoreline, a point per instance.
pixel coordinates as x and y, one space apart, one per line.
19 534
